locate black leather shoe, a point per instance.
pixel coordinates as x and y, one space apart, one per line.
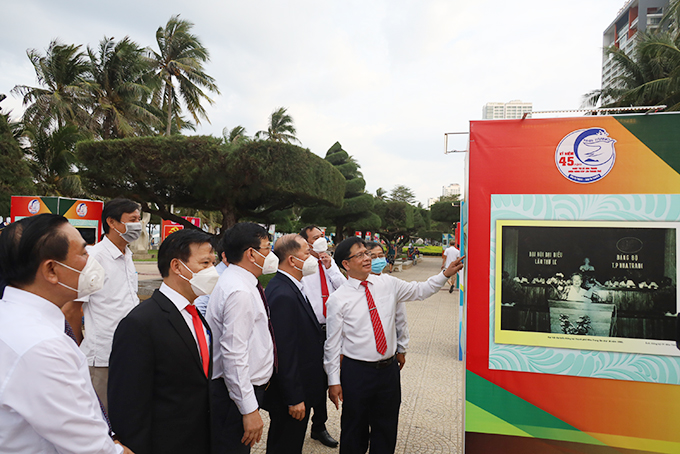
451 289
325 438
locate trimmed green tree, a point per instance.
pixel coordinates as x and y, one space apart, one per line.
248 181
357 206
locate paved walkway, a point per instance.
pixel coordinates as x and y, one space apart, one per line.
430 420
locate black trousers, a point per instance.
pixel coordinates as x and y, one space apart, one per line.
227 421
370 409
320 415
286 434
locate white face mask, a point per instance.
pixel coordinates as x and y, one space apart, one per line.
203 282
320 245
133 231
309 266
91 278
271 262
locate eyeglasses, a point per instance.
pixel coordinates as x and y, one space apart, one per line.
360 255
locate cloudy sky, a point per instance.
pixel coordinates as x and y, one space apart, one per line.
385 78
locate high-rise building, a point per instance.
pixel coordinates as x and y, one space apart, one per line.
502 110
450 190
635 16
431 201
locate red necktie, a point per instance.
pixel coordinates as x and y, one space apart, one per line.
380 342
200 335
324 286
271 328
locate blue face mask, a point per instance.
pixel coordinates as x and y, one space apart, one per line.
377 265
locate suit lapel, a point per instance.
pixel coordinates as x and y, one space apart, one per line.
180 326
307 306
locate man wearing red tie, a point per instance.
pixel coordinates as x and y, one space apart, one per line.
361 326
318 287
160 365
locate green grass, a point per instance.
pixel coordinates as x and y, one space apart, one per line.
427 250
265 278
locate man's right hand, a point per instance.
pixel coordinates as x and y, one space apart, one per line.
335 394
252 428
454 267
297 411
325 259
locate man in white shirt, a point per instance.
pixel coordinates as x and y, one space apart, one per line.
104 309
318 287
244 352
450 255
361 326
378 263
160 365
47 402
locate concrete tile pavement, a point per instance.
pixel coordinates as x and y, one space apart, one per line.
431 415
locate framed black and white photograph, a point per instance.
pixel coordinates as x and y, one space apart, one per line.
595 285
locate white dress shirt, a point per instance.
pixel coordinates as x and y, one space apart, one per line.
181 303
312 287
401 326
201 302
243 352
47 403
348 323
104 309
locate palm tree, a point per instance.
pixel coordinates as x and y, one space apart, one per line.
380 194
280 128
60 96
51 158
120 87
236 135
651 76
179 68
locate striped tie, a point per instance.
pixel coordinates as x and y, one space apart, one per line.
380 341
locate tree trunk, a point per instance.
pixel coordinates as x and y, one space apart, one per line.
339 232
167 129
229 219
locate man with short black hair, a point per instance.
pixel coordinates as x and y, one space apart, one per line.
361 327
318 287
47 402
160 365
104 309
243 348
300 381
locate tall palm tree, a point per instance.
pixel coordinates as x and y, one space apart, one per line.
60 96
281 128
120 86
179 67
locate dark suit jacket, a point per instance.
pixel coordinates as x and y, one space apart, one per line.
158 393
299 344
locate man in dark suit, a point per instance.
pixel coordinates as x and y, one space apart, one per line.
160 366
300 378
